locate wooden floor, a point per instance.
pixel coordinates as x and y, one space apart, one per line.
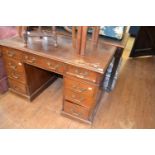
130 105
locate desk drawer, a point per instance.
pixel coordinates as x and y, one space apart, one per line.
44 63
79 86
18 87
14 65
76 110
79 99
53 65
31 59
17 76
82 73
11 53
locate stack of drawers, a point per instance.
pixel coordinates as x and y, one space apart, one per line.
81 92
15 71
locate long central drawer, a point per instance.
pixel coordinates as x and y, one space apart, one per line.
44 63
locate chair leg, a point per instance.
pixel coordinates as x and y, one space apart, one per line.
95 35
55 35
78 40
84 40
74 36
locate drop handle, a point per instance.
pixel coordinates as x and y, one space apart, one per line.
82 74
52 66
75 113
78 89
16 88
11 54
15 76
79 100
30 60
12 66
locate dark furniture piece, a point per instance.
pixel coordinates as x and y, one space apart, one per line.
144 44
133 31
32 68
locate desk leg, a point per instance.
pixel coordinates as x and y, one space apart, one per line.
25 35
117 56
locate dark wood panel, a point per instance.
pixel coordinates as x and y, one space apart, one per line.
36 77
145 42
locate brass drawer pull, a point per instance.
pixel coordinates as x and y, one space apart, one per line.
53 67
12 66
81 74
74 112
11 54
78 89
32 61
15 76
16 88
74 97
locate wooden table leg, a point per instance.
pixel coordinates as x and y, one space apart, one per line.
117 56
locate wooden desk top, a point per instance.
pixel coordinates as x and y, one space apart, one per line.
96 60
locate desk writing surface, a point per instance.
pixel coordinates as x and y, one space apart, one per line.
95 59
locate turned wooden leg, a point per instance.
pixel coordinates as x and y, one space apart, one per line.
25 34
55 35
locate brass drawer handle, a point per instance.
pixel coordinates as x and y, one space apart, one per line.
30 60
11 54
78 89
16 88
74 112
81 74
53 67
12 66
15 76
79 100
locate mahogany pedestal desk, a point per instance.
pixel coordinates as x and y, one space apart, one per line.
31 69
